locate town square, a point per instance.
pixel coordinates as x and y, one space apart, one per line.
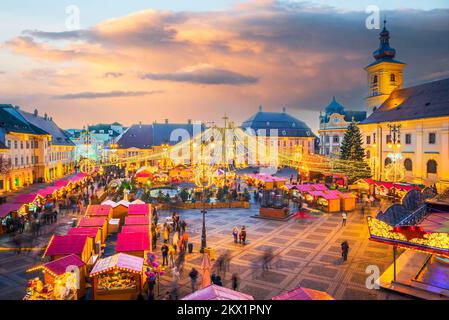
240 151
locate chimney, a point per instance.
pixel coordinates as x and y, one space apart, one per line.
45 116
166 121
189 121
36 112
284 110
17 108
140 124
260 109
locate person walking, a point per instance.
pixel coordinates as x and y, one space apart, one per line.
344 250
344 216
185 241
242 236
193 278
235 233
166 233
164 250
235 281
171 255
176 241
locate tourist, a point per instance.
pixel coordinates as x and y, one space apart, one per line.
166 233
362 211
235 281
344 216
235 233
176 240
344 250
164 250
185 241
193 278
171 255
242 236
218 281
183 226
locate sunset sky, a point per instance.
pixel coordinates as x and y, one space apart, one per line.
146 61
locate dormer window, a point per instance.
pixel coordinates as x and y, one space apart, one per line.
392 77
375 80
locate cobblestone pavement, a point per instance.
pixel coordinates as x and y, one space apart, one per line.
306 254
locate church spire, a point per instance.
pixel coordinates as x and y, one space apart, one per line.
384 51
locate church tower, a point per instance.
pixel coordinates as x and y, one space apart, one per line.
384 74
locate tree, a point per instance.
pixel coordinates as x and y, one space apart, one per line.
352 151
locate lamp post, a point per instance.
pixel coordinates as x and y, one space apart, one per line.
395 145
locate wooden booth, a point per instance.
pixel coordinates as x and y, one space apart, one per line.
328 202
135 244
61 246
118 277
99 210
96 222
64 279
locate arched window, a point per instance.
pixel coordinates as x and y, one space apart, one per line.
368 154
432 167
408 164
392 77
375 79
387 161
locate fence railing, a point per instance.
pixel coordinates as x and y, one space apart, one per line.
415 217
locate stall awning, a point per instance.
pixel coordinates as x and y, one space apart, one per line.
138 209
304 187
303 294
7 208
214 292
47 191
65 245
60 266
118 261
26 198
127 242
319 187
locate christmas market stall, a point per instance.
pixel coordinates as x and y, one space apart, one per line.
96 222
328 202
347 199
135 244
99 210
214 292
140 220
61 246
94 233
31 202
64 279
118 277
139 210
136 229
8 213
119 209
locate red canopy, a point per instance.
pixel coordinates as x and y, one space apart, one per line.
136 228
60 266
48 191
127 242
319 187
7 208
91 232
65 245
26 198
92 222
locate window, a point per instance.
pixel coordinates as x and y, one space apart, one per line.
408 164
375 79
388 138
335 139
368 139
15 144
326 139
9 144
374 137
432 167
16 161
36 144
21 144
28 144
432 138
408 138
368 154
392 77
387 161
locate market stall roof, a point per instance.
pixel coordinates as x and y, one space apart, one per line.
7 208
98 210
316 193
48 191
136 228
26 198
61 183
91 232
137 201
304 187
60 266
303 294
92 222
127 242
139 209
110 203
118 261
319 187
137 220
330 196
214 292
65 245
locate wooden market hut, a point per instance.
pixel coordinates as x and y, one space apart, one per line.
96 222
119 209
118 277
99 210
135 244
94 233
8 210
56 269
136 229
139 210
61 246
328 202
347 199
139 220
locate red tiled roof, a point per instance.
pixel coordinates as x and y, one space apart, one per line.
127 242
92 222
65 245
